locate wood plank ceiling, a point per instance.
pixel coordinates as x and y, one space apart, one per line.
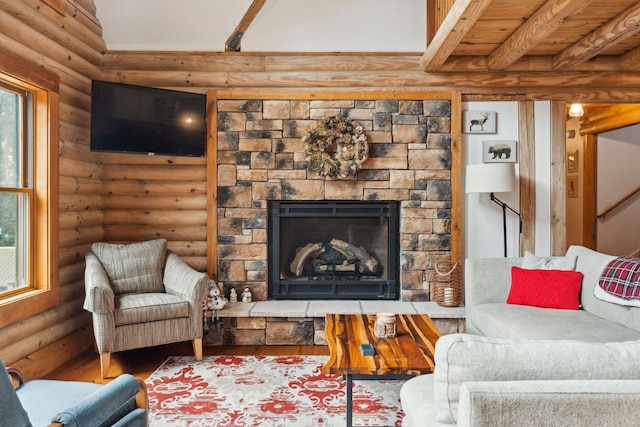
533 35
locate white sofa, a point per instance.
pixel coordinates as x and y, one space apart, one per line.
519 365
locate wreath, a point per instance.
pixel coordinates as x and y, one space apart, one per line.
336 147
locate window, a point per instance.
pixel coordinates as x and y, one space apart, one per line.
16 187
28 189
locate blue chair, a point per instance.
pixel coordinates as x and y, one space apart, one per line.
122 402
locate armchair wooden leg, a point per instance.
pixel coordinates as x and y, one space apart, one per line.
105 361
197 348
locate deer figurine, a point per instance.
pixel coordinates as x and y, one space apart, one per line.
479 122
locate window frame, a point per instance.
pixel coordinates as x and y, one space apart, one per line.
44 291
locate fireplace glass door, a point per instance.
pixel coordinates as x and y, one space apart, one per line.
331 250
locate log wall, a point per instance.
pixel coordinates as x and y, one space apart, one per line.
70 46
127 198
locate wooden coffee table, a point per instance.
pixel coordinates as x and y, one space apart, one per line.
408 354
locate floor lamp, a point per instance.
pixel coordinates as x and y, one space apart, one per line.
494 178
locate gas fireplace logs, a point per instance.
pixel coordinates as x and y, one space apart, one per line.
337 256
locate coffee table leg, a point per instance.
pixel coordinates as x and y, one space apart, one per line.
349 379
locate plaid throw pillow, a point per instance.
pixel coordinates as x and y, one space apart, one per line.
621 277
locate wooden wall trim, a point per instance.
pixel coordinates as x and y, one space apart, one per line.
526 117
589 224
212 189
457 228
319 94
558 178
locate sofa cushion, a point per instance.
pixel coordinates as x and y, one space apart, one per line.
460 358
545 288
532 261
133 268
12 413
417 400
592 264
502 320
583 403
67 393
148 307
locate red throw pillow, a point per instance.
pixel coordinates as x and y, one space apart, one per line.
545 288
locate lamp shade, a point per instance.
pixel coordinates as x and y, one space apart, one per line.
491 178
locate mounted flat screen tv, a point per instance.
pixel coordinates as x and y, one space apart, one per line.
137 119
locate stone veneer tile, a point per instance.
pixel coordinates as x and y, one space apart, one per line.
344 190
332 104
230 105
276 109
231 122
299 109
226 175
399 151
437 108
302 189
263 160
264 125
267 191
385 163
256 144
401 179
320 113
252 175
386 194
358 114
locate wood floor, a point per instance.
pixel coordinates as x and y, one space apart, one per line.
142 362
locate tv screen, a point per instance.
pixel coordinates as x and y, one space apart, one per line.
137 119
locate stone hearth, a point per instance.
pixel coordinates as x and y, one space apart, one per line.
302 322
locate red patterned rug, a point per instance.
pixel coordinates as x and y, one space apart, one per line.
265 391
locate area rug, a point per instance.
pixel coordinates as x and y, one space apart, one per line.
265 391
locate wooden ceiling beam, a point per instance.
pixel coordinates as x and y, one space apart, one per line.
622 26
233 42
541 24
459 20
630 61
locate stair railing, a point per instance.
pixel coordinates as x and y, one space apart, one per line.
618 204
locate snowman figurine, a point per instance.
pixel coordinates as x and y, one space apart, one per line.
215 301
246 294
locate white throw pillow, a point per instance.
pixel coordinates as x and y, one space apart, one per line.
532 262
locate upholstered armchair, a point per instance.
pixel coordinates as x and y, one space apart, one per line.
122 402
142 295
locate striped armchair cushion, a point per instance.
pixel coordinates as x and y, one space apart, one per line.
134 268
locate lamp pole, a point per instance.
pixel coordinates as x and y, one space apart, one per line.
504 207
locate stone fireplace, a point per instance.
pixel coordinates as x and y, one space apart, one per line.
261 160
333 250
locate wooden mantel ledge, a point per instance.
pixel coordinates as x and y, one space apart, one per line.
315 308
